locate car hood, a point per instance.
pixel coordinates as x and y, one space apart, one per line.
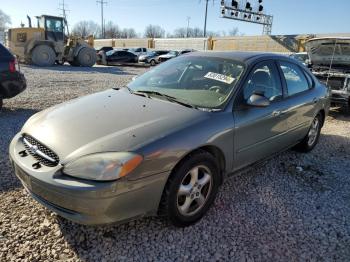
321 51
113 120
167 56
146 56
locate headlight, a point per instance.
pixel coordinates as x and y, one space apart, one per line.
103 166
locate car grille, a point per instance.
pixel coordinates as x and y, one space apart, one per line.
40 152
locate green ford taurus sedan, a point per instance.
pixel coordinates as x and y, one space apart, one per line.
164 144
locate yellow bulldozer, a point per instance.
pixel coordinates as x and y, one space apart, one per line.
47 44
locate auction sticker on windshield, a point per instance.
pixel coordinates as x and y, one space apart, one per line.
220 77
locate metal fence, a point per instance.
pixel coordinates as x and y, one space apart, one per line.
271 43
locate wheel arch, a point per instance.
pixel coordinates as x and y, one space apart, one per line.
32 45
215 151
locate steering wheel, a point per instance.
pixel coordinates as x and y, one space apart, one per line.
217 89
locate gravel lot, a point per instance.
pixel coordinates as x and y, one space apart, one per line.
293 207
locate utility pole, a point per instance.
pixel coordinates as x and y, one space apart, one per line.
188 25
62 7
206 16
102 3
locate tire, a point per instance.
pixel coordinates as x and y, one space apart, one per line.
87 57
312 137
186 206
153 63
43 55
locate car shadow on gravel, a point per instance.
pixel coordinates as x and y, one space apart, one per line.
95 69
11 122
339 114
248 207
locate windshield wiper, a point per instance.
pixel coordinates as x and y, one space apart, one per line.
169 98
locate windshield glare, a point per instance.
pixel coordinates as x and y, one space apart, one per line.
204 82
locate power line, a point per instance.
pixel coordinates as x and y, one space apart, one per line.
102 3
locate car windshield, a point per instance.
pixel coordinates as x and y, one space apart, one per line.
173 53
111 52
204 82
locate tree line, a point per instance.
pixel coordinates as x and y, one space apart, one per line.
112 30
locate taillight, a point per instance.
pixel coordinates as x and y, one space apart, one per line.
12 66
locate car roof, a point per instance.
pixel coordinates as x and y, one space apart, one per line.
238 56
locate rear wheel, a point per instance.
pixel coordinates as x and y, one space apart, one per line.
87 57
190 190
43 55
311 139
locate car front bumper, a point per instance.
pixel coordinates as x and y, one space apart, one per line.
84 201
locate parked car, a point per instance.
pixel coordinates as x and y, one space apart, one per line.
12 81
117 57
166 57
152 57
185 51
105 49
164 144
138 50
330 63
302 57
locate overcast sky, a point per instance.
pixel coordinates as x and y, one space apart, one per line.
290 16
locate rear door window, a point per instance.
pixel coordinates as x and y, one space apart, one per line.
295 78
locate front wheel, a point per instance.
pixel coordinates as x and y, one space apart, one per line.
312 137
153 63
191 189
87 57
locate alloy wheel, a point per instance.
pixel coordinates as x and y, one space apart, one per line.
313 132
194 190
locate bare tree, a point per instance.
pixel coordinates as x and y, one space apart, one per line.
112 30
181 32
130 33
86 28
5 20
154 31
233 32
196 32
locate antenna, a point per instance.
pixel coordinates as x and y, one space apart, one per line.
330 67
102 3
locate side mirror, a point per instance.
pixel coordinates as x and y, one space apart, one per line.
258 100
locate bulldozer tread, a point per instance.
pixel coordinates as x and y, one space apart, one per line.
86 57
43 55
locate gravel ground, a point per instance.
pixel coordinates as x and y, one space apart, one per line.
294 207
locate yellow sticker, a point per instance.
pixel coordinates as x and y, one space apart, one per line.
220 77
